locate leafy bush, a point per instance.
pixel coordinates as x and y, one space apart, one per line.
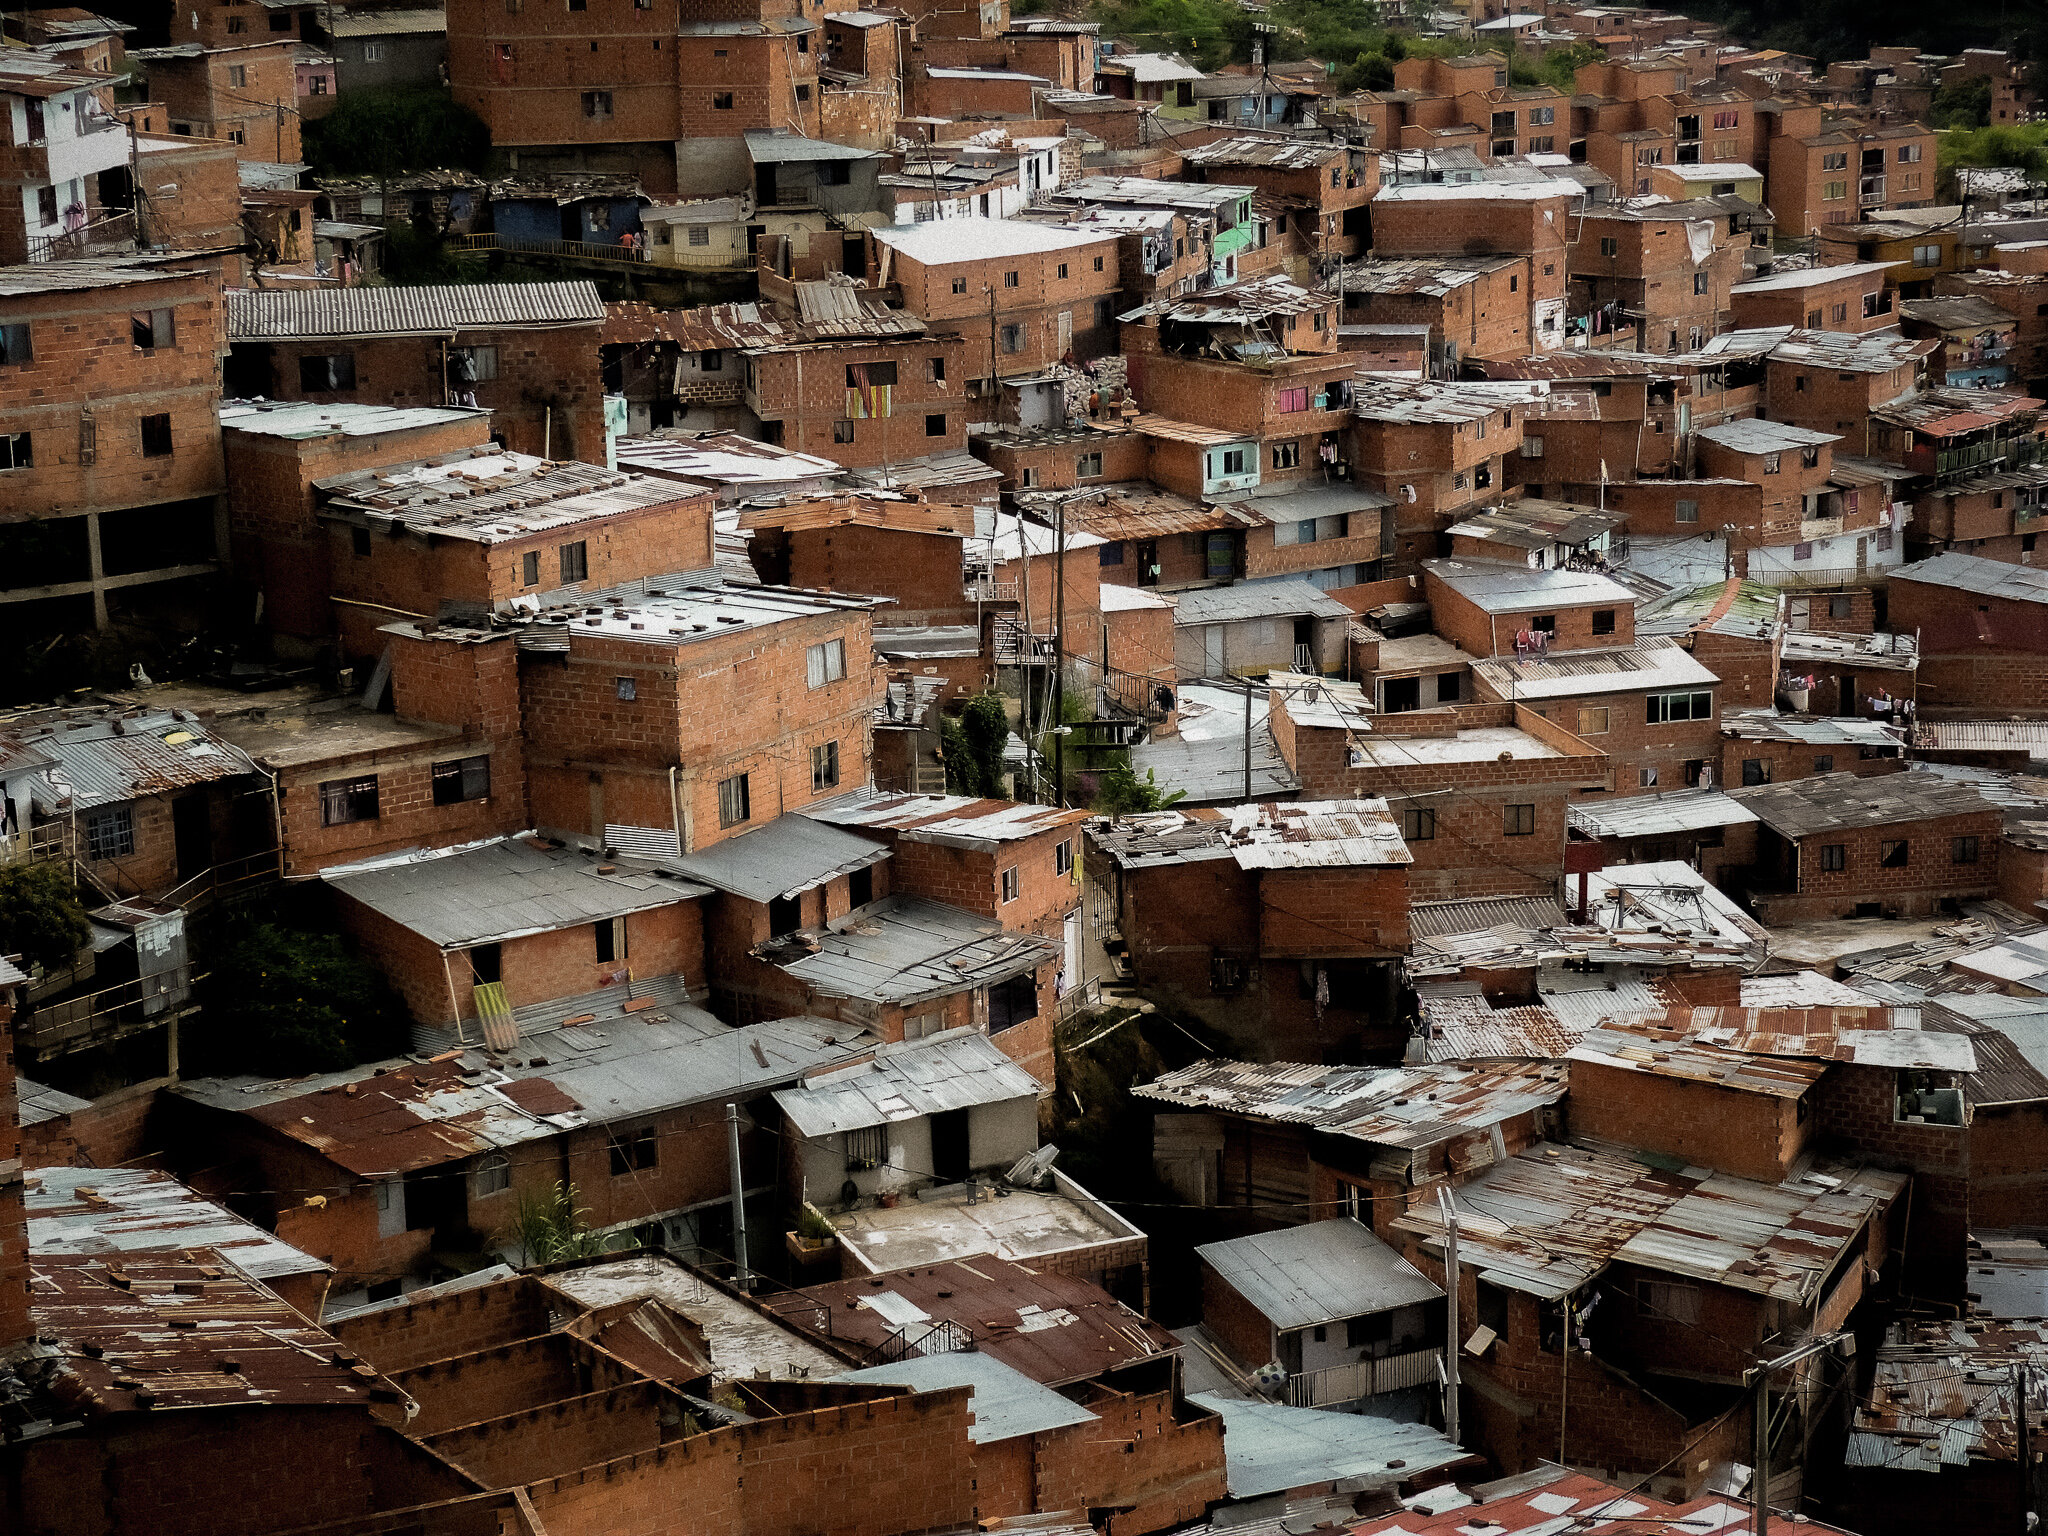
973 746
280 1002
393 129
41 917
549 1226
1123 793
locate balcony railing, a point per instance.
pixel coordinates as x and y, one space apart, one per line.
52 840
1367 1378
608 252
67 1024
102 231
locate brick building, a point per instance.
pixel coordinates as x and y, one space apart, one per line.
1840 845
1481 789
244 92
908 552
1323 188
1436 450
112 446
527 352
1650 706
1279 920
1831 381
276 454
1656 279
1472 306
1848 297
864 402
1492 608
1499 218
1983 631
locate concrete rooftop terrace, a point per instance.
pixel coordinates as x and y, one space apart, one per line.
941 1224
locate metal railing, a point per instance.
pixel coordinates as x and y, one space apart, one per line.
988 590
1367 1378
104 232
944 1337
1017 647
73 1023
52 840
608 252
217 880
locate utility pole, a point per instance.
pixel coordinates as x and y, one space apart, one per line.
739 1200
1059 670
1758 1377
1448 1207
1247 740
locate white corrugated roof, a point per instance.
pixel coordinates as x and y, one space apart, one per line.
271 314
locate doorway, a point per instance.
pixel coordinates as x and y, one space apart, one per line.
949 1145
1398 694
1847 706
192 835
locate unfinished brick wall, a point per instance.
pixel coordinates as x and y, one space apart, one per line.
407 815
920 571
1752 1135
83 398
1477 632
112 1131
987 301
1931 875
1858 1113
507 1378
552 1439
420 1332
810 395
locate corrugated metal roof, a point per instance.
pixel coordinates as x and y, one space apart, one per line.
75 1212
102 757
1270 1448
1656 661
1339 834
306 314
487 893
1210 770
1551 1218
1551 1501
1750 434
1739 609
1652 1046
1890 652
1006 1403
1409 1107
905 950
2028 736
1946 1394
1835 802
391 23
151 1333
487 496
957 1069
1768 724
1659 815
1499 588
1323 1272
790 855
953 821
1256 600
1864 1036
1536 524
1972 573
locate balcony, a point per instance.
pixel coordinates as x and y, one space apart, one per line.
49 841
1870 191
1367 1378
99 232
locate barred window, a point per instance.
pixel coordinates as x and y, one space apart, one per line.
343 801
867 1147
110 834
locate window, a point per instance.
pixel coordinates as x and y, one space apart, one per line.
608 934
1841 312
1012 1002
634 1150
575 561
1754 772
1667 1299
16 451
1098 263
156 436
1646 778
359 543
1010 279
1532 447
1962 850
1823 762
152 328
877 373
16 346
493 1175
1834 191
1699 283
732 801
1012 884
238 75
867 1147
1809 458
46 198
700 234
825 663
110 834
1418 826
344 801
1892 853
1593 720
1013 338
1088 466
1518 821
1838 607
1610 246
935 424
1109 554
1603 621
1771 461
721 101
1233 461
842 430
959 285
462 778
1063 269
1926 255
1834 857
625 689
335 370
824 767
597 104
1679 706
529 568
1288 401
1909 154
803 93
1287 455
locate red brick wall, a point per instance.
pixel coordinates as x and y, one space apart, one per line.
1477 633
1309 913
921 571
1040 295
558 1437
407 815
806 393
1652 507
548 397
403 1338
85 356
1858 1112
1751 1135
114 1130
1930 875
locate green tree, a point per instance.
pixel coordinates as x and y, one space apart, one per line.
1122 793
1560 67
2022 147
1965 104
280 1001
41 917
389 130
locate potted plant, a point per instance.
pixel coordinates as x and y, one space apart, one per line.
814 1238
